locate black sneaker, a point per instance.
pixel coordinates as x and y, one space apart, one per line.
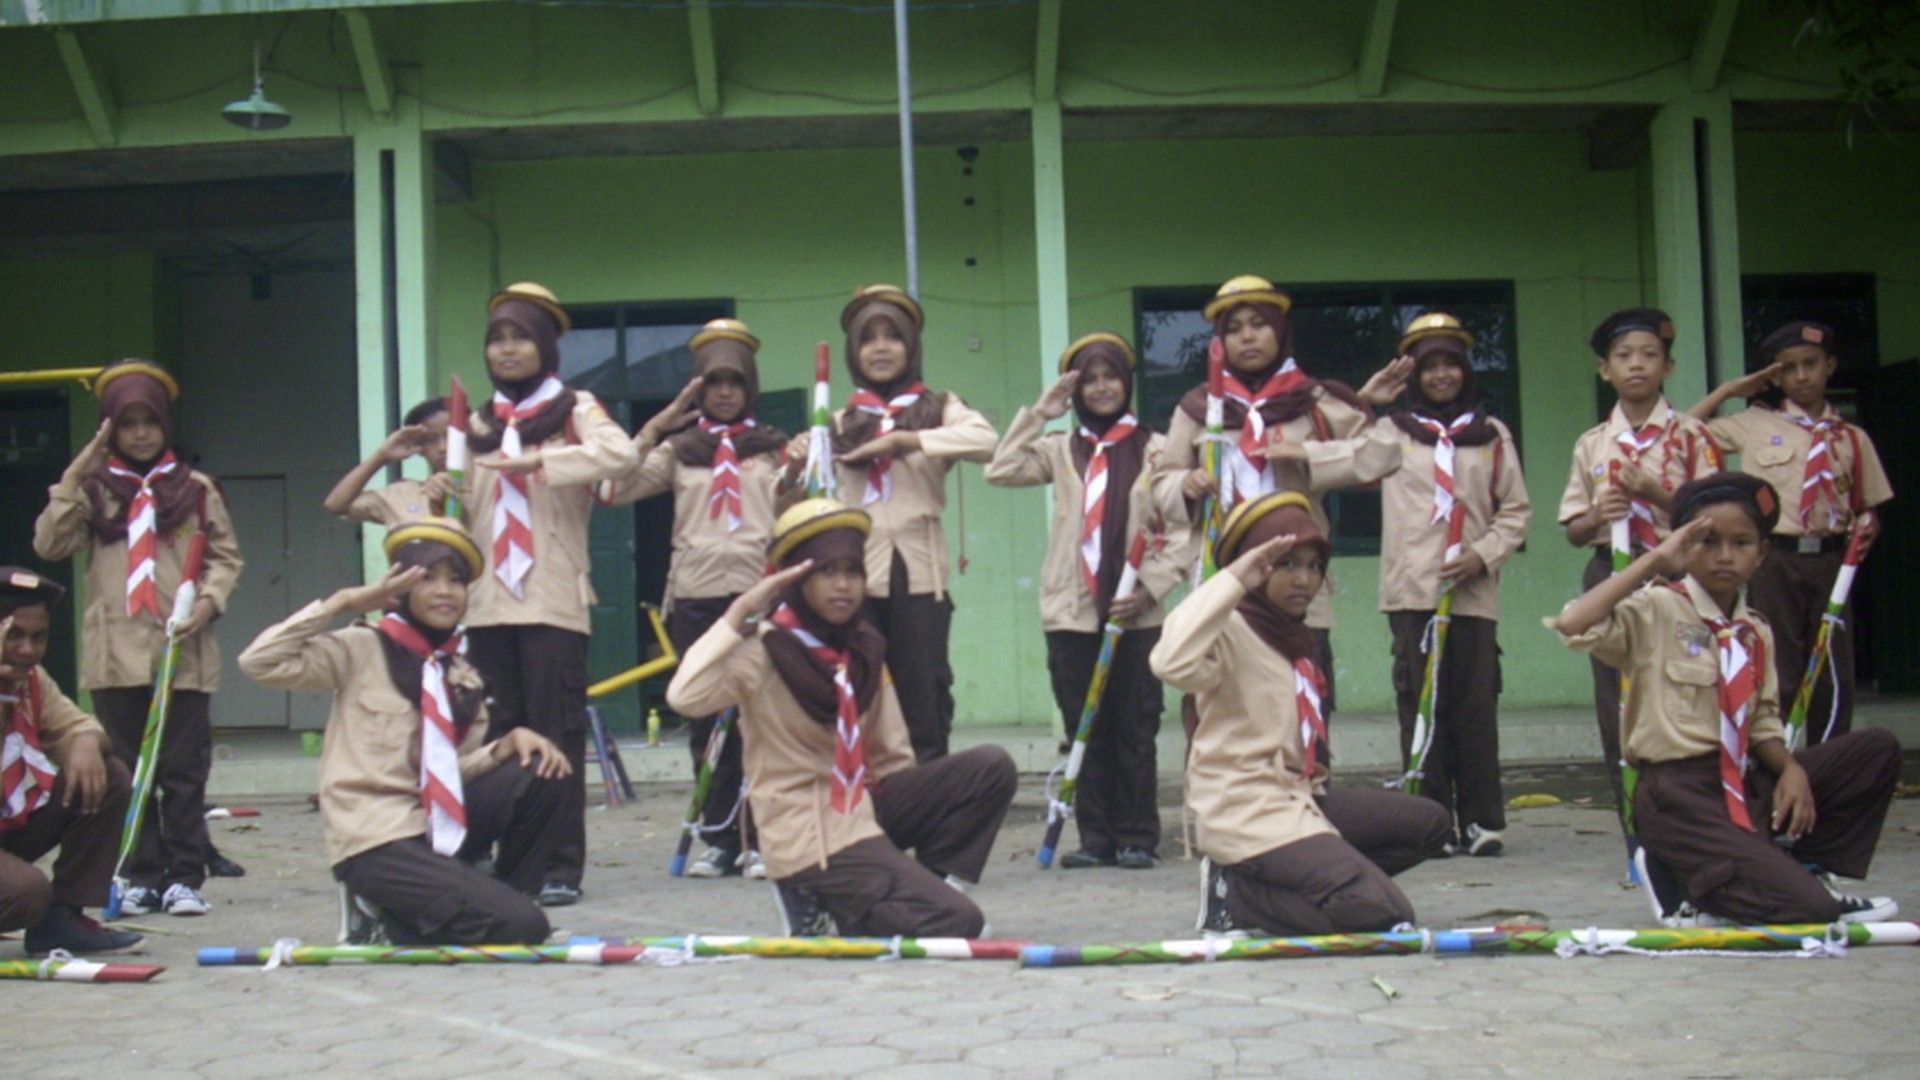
801 913
1085 859
360 921
64 927
1855 908
558 894
1214 921
1133 858
219 865
1671 908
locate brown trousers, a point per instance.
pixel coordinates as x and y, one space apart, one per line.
948 813
1340 884
1462 768
917 627
688 621
88 845
537 678
1115 801
1791 590
1606 694
426 898
1680 813
173 843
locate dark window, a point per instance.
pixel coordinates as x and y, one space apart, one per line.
1842 301
1343 332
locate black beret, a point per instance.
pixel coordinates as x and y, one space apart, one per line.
1795 334
1652 320
21 587
1753 494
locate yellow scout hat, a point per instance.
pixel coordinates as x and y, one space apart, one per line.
439 530
136 367
1249 513
1066 358
1436 324
536 294
724 329
1246 289
809 518
892 294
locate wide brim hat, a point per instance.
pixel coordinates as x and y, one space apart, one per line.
136 367
1248 514
536 294
1073 350
809 518
724 330
439 530
1246 289
1436 324
883 293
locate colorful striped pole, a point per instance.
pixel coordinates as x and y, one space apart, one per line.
67 969
1213 455
589 950
819 476
702 787
1811 938
1822 652
1620 539
1425 716
459 414
1060 804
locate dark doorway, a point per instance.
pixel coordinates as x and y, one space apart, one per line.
34 451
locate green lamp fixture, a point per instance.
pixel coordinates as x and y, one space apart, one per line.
257 112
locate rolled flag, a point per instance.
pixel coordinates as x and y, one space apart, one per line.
1427 711
1821 655
58 967
458 415
1213 457
819 476
1620 540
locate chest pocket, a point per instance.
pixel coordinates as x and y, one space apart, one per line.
1695 681
386 725
1773 455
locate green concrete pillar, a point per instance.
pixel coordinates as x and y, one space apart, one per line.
1696 240
393 274
1050 236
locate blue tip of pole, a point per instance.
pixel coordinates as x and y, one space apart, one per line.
1045 856
221 956
586 939
1036 955
679 866
115 894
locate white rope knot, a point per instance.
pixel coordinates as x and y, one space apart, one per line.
282 953
698 828
1210 949
893 949
55 958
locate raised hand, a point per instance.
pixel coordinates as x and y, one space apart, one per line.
1056 399
1755 383
1255 565
404 443
684 409
759 599
379 595
91 456
1671 555
1387 383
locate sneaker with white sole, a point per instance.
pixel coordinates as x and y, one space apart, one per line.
1866 909
139 900
1215 921
752 866
181 899
1484 842
714 862
1671 908
801 912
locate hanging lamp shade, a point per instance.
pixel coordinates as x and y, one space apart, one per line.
257 112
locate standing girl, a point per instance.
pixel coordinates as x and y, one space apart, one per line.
539 450
1102 501
894 443
724 472
134 506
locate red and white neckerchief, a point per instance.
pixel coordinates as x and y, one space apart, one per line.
725 494
1444 453
849 748
1253 473
1309 685
1818 479
512 515
1093 498
441 794
143 536
1635 442
26 774
879 478
1737 643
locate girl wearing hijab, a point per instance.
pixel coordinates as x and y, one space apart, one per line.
134 506
412 792
1284 852
723 468
893 445
836 796
539 448
1102 501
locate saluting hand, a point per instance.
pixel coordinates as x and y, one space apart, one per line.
761 597
1387 383
1255 565
91 456
379 595
1055 400
1755 383
684 409
404 443
1671 554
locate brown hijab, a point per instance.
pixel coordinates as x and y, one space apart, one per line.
402 666
176 496
807 677
1286 635
695 447
1124 462
539 324
1295 403
1440 350
857 427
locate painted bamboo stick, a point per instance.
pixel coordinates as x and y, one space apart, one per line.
587 950
1822 651
702 787
459 414
1213 456
1425 715
75 970
820 479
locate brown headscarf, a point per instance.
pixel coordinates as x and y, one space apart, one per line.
808 679
1295 403
1288 636
402 666
1124 461
539 324
857 427
695 447
176 496
1438 350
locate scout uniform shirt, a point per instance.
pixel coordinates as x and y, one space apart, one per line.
559 590
1660 638
1243 766
1774 448
908 521
60 720
788 755
402 500
1029 456
118 649
1685 452
708 561
1323 430
370 761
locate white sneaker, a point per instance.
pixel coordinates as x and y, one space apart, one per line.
180 899
139 900
752 867
1484 841
712 863
1866 909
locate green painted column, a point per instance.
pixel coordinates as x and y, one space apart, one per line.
1050 236
396 341
1696 240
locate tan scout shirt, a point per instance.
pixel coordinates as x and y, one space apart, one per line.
402 500
559 589
708 561
1774 448
60 720
1028 456
120 650
1413 546
788 755
1660 640
1243 767
1331 464
370 760
1685 453
909 521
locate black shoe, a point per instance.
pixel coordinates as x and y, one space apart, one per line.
360 921
558 894
219 865
801 913
1133 858
1214 921
1085 859
64 927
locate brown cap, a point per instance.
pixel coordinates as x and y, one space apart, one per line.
886 294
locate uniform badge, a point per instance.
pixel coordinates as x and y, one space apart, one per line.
1694 637
1778 439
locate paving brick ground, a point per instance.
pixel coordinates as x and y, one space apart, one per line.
1453 1017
